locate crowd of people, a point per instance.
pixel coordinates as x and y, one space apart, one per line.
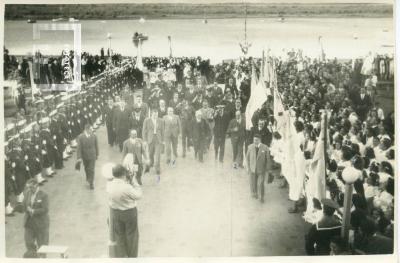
202 104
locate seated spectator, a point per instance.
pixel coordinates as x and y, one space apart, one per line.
371 242
318 238
380 220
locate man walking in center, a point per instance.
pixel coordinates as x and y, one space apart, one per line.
87 152
153 136
172 129
258 161
237 131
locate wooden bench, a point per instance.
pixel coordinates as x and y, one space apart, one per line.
61 250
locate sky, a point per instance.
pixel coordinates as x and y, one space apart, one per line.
201 1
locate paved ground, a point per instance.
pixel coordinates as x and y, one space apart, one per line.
196 210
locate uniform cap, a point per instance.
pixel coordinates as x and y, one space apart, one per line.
52 113
21 123
44 120
60 105
10 126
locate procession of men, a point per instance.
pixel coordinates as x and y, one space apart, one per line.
156 119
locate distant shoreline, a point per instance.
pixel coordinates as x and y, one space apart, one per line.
196 11
287 18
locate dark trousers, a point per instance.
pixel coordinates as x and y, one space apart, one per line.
35 238
125 232
186 137
219 147
89 170
199 145
237 148
139 173
58 158
110 135
257 184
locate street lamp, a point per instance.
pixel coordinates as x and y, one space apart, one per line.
349 175
109 43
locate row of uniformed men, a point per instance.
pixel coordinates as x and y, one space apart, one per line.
32 150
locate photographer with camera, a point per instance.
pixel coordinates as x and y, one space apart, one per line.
122 201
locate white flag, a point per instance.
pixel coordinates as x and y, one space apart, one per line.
258 96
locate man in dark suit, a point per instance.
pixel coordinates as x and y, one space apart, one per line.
121 124
200 131
258 160
36 219
108 115
162 109
143 108
362 104
231 86
136 122
87 152
217 92
237 131
221 125
153 136
186 114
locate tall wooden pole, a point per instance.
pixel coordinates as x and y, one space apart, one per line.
348 193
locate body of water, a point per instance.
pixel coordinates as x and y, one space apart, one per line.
218 39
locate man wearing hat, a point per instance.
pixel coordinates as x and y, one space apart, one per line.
18 168
36 220
9 184
58 138
32 163
47 148
320 234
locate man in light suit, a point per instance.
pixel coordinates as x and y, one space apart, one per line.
258 162
153 136
172 129
36 220
135 146
87 152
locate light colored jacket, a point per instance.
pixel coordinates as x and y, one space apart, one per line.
262 164
172 126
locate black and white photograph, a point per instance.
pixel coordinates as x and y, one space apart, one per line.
199 129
